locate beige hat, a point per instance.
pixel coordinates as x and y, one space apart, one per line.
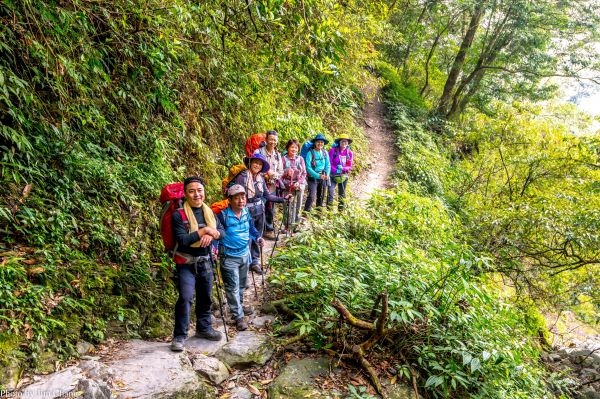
235 189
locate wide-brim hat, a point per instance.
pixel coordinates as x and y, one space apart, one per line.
319 137
265 167
343 137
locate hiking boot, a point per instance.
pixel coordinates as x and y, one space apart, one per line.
269 234
177 344
256 269
211 335
240 324
248 310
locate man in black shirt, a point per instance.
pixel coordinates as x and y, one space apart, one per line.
194 234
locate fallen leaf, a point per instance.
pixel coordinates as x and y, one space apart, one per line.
35 270
393 380
26 190
29 261
253 389
266 382
230 385
225 395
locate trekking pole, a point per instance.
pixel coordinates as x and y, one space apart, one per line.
262 267
217 277
277 236
254 284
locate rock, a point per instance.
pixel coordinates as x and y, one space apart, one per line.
590 394
54 385
268 308
93 390
151 370
296 379
246 349
263 320
198 345
210 368
47 362
84 348
399 391
10 373
240 393
96 370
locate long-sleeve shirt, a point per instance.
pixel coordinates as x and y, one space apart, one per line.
298 167
341 161
184 238
239 231
321 163
260 188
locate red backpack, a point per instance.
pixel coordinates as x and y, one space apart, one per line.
171 197
254 142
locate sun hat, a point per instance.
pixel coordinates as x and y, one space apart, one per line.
320 136
265 167
235 190
343 137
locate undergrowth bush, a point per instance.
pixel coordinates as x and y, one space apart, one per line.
446 322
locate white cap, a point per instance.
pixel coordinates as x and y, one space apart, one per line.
235 189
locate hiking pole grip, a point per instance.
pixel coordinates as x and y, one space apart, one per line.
219 298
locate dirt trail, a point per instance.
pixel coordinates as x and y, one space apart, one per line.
382 150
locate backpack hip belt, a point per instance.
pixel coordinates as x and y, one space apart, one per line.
191 260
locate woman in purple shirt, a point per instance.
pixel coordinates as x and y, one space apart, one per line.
340 159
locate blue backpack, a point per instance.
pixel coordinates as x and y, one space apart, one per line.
306 147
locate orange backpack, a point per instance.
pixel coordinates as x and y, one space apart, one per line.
254 142
230 179
218 206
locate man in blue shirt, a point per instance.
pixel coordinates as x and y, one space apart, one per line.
235 251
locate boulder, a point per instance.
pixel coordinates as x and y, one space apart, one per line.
84 348
209 367
247 349
262 321
151 370
399 391
199 345
54 385
90 389
296 379
240 393
11 371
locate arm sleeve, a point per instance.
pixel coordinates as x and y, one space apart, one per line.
309 169
333 168
254 234
302 172
182 237
220 227
346 168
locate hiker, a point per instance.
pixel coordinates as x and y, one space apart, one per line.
340 157
194 237
317 166
293 179
269 151
235 252
257 194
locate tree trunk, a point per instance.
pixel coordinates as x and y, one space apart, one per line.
460 58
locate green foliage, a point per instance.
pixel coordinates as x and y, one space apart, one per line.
102 103
465 340
398 92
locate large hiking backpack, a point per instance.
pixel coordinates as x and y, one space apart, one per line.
171 197
229 181
306 147
219 206
254 142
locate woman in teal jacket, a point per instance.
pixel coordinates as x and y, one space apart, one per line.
318 169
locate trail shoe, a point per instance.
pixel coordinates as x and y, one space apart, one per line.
256 269
240 324
248 310
177 344
270 234
211 335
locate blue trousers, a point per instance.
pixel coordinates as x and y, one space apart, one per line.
198 277
234 270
